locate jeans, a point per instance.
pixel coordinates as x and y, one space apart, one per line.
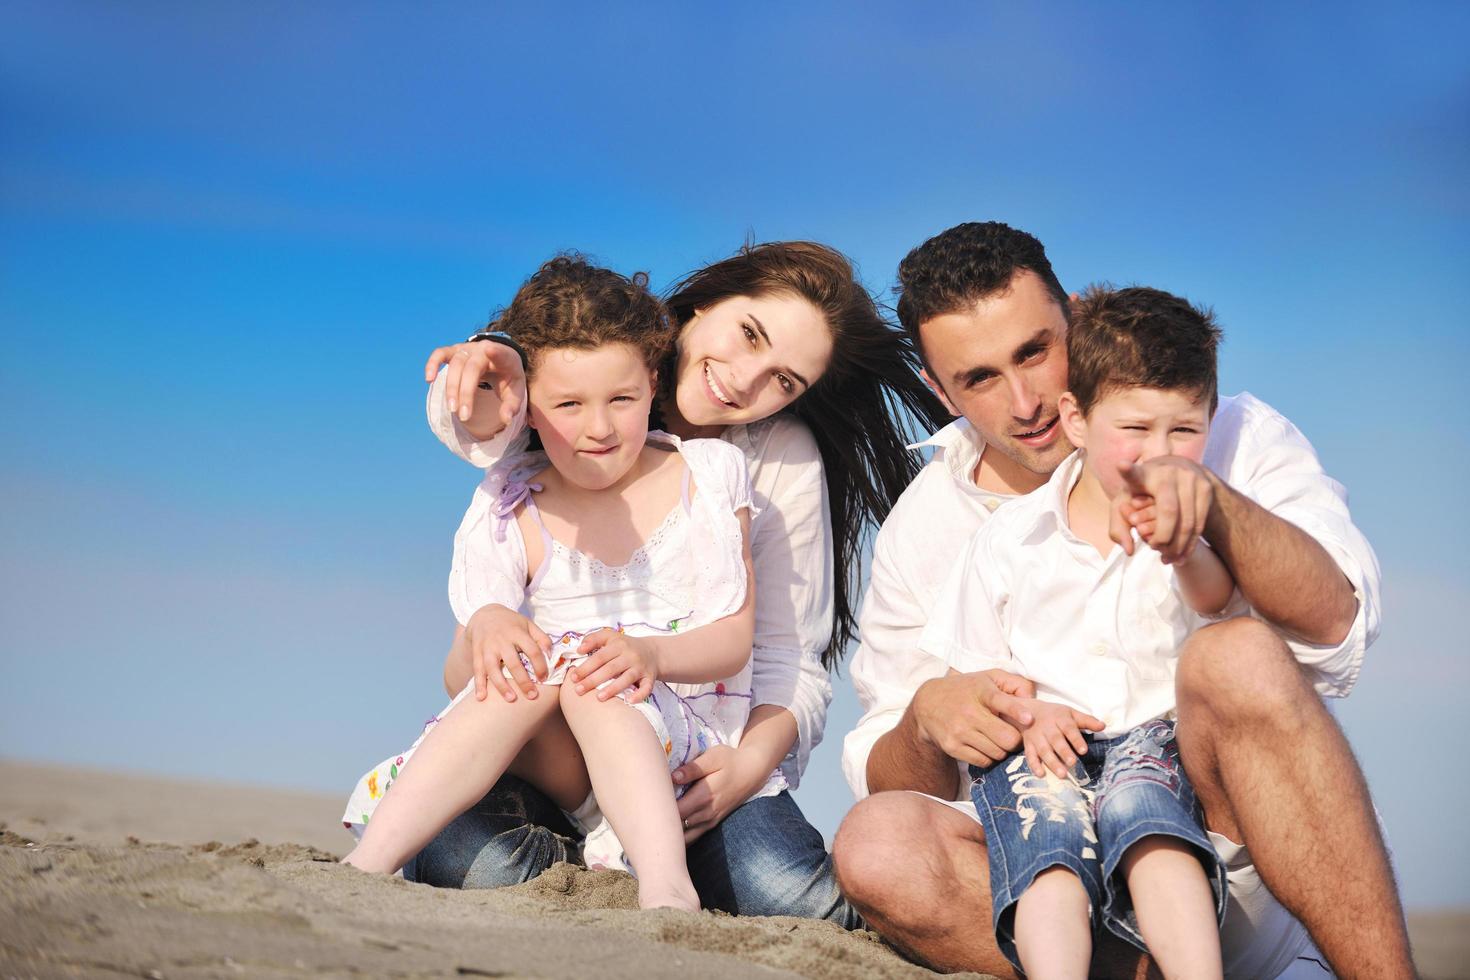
1122 790
762 859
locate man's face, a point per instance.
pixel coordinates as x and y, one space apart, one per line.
1002 364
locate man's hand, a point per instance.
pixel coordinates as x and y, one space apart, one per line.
627 661
498 637
975 718
1168 500
473 362
1054 739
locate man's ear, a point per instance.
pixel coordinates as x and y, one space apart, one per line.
1074 423
938 391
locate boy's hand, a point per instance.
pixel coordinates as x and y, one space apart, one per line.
1168 500
499 636
1054 739
473 362
627 661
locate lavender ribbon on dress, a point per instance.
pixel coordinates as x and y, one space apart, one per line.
511 496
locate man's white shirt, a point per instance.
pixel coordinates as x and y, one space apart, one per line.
1251 446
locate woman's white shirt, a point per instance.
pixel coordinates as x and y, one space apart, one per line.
791 550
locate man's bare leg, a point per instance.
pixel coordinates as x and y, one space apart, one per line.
916 870
1274 771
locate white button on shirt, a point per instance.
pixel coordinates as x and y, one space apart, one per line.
1097 633
1251 446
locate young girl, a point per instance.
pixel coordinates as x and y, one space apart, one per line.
612 566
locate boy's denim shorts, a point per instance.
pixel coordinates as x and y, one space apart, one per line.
1124 789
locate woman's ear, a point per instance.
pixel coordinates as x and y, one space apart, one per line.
1074 423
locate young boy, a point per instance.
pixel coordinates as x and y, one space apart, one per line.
1101 830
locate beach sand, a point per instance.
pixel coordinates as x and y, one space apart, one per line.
103 875
106 875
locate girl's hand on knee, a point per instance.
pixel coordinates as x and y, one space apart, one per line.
626 661
499 638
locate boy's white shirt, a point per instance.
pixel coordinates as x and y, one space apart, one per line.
1251 446
791 553
1099 634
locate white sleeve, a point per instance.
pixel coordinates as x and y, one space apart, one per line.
1277 467
447 428
888 666
791 548
964 629
486 570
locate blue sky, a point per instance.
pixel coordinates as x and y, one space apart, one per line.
230 233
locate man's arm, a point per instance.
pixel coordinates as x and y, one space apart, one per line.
958 716
1282 571
919 716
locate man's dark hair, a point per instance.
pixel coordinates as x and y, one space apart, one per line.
1140 338
957 268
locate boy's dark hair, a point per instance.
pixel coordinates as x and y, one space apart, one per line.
958 267
1140 338
569 302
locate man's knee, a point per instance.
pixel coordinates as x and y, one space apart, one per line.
1239 672
888 844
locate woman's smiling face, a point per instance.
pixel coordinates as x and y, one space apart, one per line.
747 357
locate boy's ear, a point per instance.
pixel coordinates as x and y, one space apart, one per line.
1074 423
938 392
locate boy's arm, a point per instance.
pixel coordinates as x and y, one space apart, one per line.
1204 581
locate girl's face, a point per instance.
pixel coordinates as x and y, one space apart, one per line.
590 408
747 357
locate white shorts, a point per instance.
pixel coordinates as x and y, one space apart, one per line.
1260 938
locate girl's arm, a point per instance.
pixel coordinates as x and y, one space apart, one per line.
496 416
708 653
1204 581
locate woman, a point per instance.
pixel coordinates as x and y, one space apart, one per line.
781 352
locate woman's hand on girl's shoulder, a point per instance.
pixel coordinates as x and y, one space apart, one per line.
498 636
627 661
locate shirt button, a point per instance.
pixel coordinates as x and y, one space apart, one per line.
991 504
1100 650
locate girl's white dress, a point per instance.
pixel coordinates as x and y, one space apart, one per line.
688 573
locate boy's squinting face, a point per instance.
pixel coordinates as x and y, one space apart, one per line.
590 408
1131 425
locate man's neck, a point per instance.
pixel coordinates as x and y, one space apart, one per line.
998 473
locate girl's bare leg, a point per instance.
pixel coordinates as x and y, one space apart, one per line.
552 761
630 776
452 769
1176 909
1053 932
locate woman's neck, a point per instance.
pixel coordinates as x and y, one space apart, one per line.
675 424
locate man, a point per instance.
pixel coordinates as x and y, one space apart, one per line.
989 317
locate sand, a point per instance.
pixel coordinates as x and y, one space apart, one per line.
107 875
103 875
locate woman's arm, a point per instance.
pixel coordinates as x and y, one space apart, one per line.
791 546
